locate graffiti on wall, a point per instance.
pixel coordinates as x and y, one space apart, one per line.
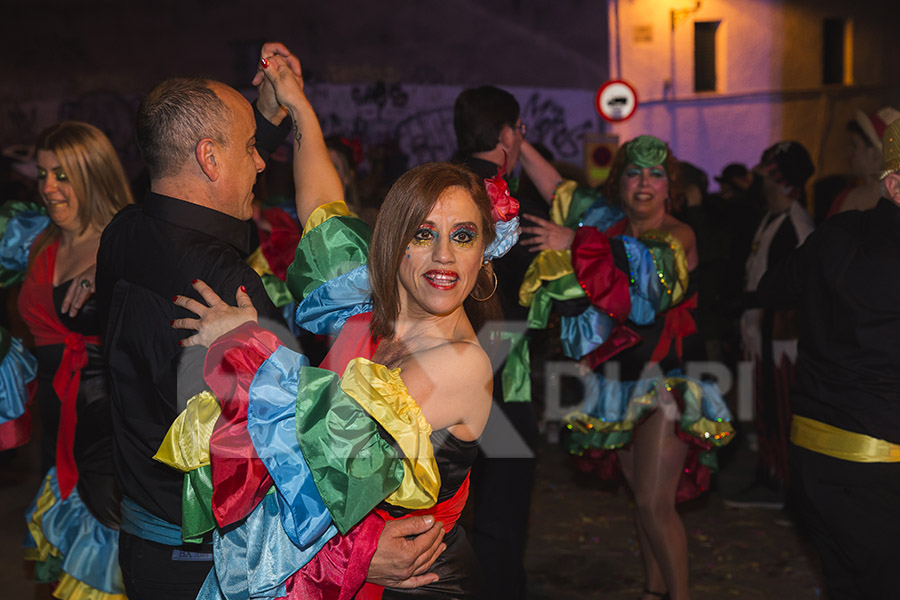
414 121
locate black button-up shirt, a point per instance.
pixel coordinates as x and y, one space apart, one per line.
844 280
148 254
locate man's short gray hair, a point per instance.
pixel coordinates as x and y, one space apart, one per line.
173 117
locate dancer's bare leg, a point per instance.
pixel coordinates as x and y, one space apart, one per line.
652 466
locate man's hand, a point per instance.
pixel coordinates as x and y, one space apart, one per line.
406 550
79 291
267 103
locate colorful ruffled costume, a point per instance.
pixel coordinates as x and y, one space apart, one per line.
73 521
296 468
627 298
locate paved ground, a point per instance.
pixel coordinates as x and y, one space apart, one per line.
583 544
582 540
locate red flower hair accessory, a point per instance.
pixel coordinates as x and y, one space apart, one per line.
503 206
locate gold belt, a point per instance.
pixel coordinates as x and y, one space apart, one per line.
840 443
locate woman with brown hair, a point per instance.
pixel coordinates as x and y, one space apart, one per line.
628 295
389 426
73 524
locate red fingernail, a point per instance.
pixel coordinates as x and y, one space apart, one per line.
174 298
173 322
264 63
195 281
243 289
181 342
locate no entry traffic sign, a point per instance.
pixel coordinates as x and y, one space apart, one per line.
616 101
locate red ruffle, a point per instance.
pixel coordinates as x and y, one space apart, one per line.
279 244
17 432
340 568
240 479
605 285
354 341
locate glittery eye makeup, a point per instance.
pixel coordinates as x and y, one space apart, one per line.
425 235
633 172
465 235
657 173
59 173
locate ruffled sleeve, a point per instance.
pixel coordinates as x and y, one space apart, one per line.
329 277
20 224
17 372
299 454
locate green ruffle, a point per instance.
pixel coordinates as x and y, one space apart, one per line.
333 248
277 290
516 375
353 467
196 505
564 288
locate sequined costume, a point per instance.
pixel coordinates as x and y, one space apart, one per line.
626 306
296 468
73 522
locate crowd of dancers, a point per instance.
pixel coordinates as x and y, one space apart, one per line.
284 396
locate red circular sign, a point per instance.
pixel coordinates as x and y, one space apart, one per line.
616 101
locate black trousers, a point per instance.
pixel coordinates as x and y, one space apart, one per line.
852 513
501 497
153 571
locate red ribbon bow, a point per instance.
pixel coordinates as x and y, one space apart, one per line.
679 324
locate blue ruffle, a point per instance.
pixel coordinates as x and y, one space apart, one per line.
602 215
271 423
584 333
89 548
260 556
327 308
17 369
507 236
20 234
645 288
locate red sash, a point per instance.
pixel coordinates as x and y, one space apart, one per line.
36 307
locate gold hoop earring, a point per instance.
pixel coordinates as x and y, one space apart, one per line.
488 297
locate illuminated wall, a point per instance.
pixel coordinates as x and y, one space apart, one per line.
769 75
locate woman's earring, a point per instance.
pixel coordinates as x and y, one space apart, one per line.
488 297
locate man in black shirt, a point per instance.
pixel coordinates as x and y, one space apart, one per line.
490 135
200 140
844 455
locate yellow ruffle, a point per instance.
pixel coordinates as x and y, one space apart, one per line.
324 212
70 588
547 266
186 445
382 394
562 201
258 263
44 548
677 288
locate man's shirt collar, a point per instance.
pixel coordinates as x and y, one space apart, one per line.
205 220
